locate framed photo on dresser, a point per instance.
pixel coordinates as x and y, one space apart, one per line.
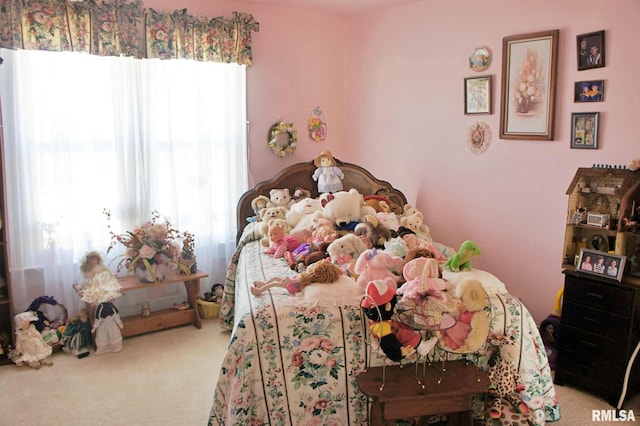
603 264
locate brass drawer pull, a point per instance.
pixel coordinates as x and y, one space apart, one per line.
596 295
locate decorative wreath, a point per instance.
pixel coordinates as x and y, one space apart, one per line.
282 150
479 137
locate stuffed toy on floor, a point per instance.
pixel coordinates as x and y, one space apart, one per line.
506 382
31 348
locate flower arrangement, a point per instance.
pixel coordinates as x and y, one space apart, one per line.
530 85
277 145
153 246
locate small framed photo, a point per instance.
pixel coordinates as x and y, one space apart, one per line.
584 130
588 91
477 95
606 265
590 50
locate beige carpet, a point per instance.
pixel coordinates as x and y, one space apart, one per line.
162 378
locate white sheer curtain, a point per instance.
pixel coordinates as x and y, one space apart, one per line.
84 133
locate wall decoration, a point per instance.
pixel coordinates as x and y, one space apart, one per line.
529 67
584 130
589 91
283 139
590 49
477 95
480 59
479 137
317 126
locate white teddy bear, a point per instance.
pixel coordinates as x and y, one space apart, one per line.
280 198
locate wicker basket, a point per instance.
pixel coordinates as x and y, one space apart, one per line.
208 310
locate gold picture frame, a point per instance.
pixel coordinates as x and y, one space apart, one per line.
529 69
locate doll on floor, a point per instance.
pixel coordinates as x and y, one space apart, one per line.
31 348
323 271
77 339
107 326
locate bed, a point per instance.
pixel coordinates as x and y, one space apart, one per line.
293 360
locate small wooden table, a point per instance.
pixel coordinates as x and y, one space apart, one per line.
165 318
403 398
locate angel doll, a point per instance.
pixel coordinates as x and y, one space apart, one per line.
327 174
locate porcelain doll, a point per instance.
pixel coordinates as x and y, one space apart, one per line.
31 348
107 326
327 174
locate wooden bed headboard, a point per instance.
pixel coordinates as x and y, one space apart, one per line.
299 175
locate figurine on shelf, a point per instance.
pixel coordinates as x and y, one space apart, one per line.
107 326
327 174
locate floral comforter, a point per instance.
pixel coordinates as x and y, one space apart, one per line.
294 361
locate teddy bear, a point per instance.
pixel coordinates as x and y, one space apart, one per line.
280 197
377 265
461 260
345 250
506 384
262 227
30 347
374 232
279 242
301 213
396 340
345 209
471 328
633 164
300 193
414 222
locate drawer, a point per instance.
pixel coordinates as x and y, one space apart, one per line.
596 370
593 346
598 322
607 297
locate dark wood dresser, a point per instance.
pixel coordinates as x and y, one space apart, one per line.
600 328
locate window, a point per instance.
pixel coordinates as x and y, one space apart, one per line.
84 133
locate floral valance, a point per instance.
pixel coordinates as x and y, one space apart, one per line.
122 27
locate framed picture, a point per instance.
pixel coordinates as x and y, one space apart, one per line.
477 95
590 50
606 265
529 67
588 91
584 130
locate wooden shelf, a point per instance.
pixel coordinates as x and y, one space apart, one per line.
158 320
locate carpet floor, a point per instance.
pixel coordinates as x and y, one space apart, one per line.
164 378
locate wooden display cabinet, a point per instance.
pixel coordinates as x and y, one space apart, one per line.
603 214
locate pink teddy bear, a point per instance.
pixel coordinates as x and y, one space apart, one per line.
376 265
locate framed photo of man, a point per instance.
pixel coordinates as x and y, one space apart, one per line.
590 49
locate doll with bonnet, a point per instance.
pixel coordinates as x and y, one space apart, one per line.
31 348
327 174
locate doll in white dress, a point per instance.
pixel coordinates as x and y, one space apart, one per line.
328 175
31 348
107 326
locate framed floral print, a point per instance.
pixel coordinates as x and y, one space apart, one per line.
477 95
529 68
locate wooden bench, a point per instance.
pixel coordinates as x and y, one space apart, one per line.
402 397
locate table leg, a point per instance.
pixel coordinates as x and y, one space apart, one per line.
193 288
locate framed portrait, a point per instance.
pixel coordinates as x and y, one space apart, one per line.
588 91
477 95
584 130
529 67
603 264
590 49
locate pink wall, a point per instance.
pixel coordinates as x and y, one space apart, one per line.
391 83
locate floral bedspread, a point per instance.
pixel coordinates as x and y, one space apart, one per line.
291 361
